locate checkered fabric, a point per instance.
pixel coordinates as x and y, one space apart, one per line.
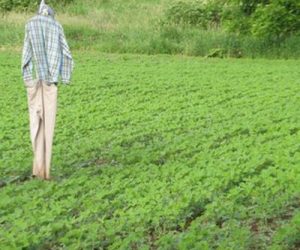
46 49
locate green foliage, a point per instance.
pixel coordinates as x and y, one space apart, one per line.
143 27
263 18
194 13
156 152
288 234
235 21
248 7
280 19
28 5
275 19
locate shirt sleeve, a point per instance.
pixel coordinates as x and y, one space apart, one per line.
27 65
67 63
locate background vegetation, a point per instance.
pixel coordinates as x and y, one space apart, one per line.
216 28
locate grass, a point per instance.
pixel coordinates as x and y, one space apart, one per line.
156 152
137 27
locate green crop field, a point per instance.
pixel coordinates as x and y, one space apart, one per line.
156 152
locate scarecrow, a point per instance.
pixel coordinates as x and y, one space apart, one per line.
46 60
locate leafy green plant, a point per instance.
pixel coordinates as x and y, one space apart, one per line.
263 18
156 152
194 13
27 5
278 19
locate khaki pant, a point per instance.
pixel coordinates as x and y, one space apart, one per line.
42 104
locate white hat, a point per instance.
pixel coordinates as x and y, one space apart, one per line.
45 10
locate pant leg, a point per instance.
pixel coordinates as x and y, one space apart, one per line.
50 109
35 105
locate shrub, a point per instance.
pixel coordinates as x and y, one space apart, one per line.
263 18
27 5
278 19
194 13
234 20
248 7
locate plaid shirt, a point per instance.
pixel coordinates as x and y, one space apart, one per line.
46 48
